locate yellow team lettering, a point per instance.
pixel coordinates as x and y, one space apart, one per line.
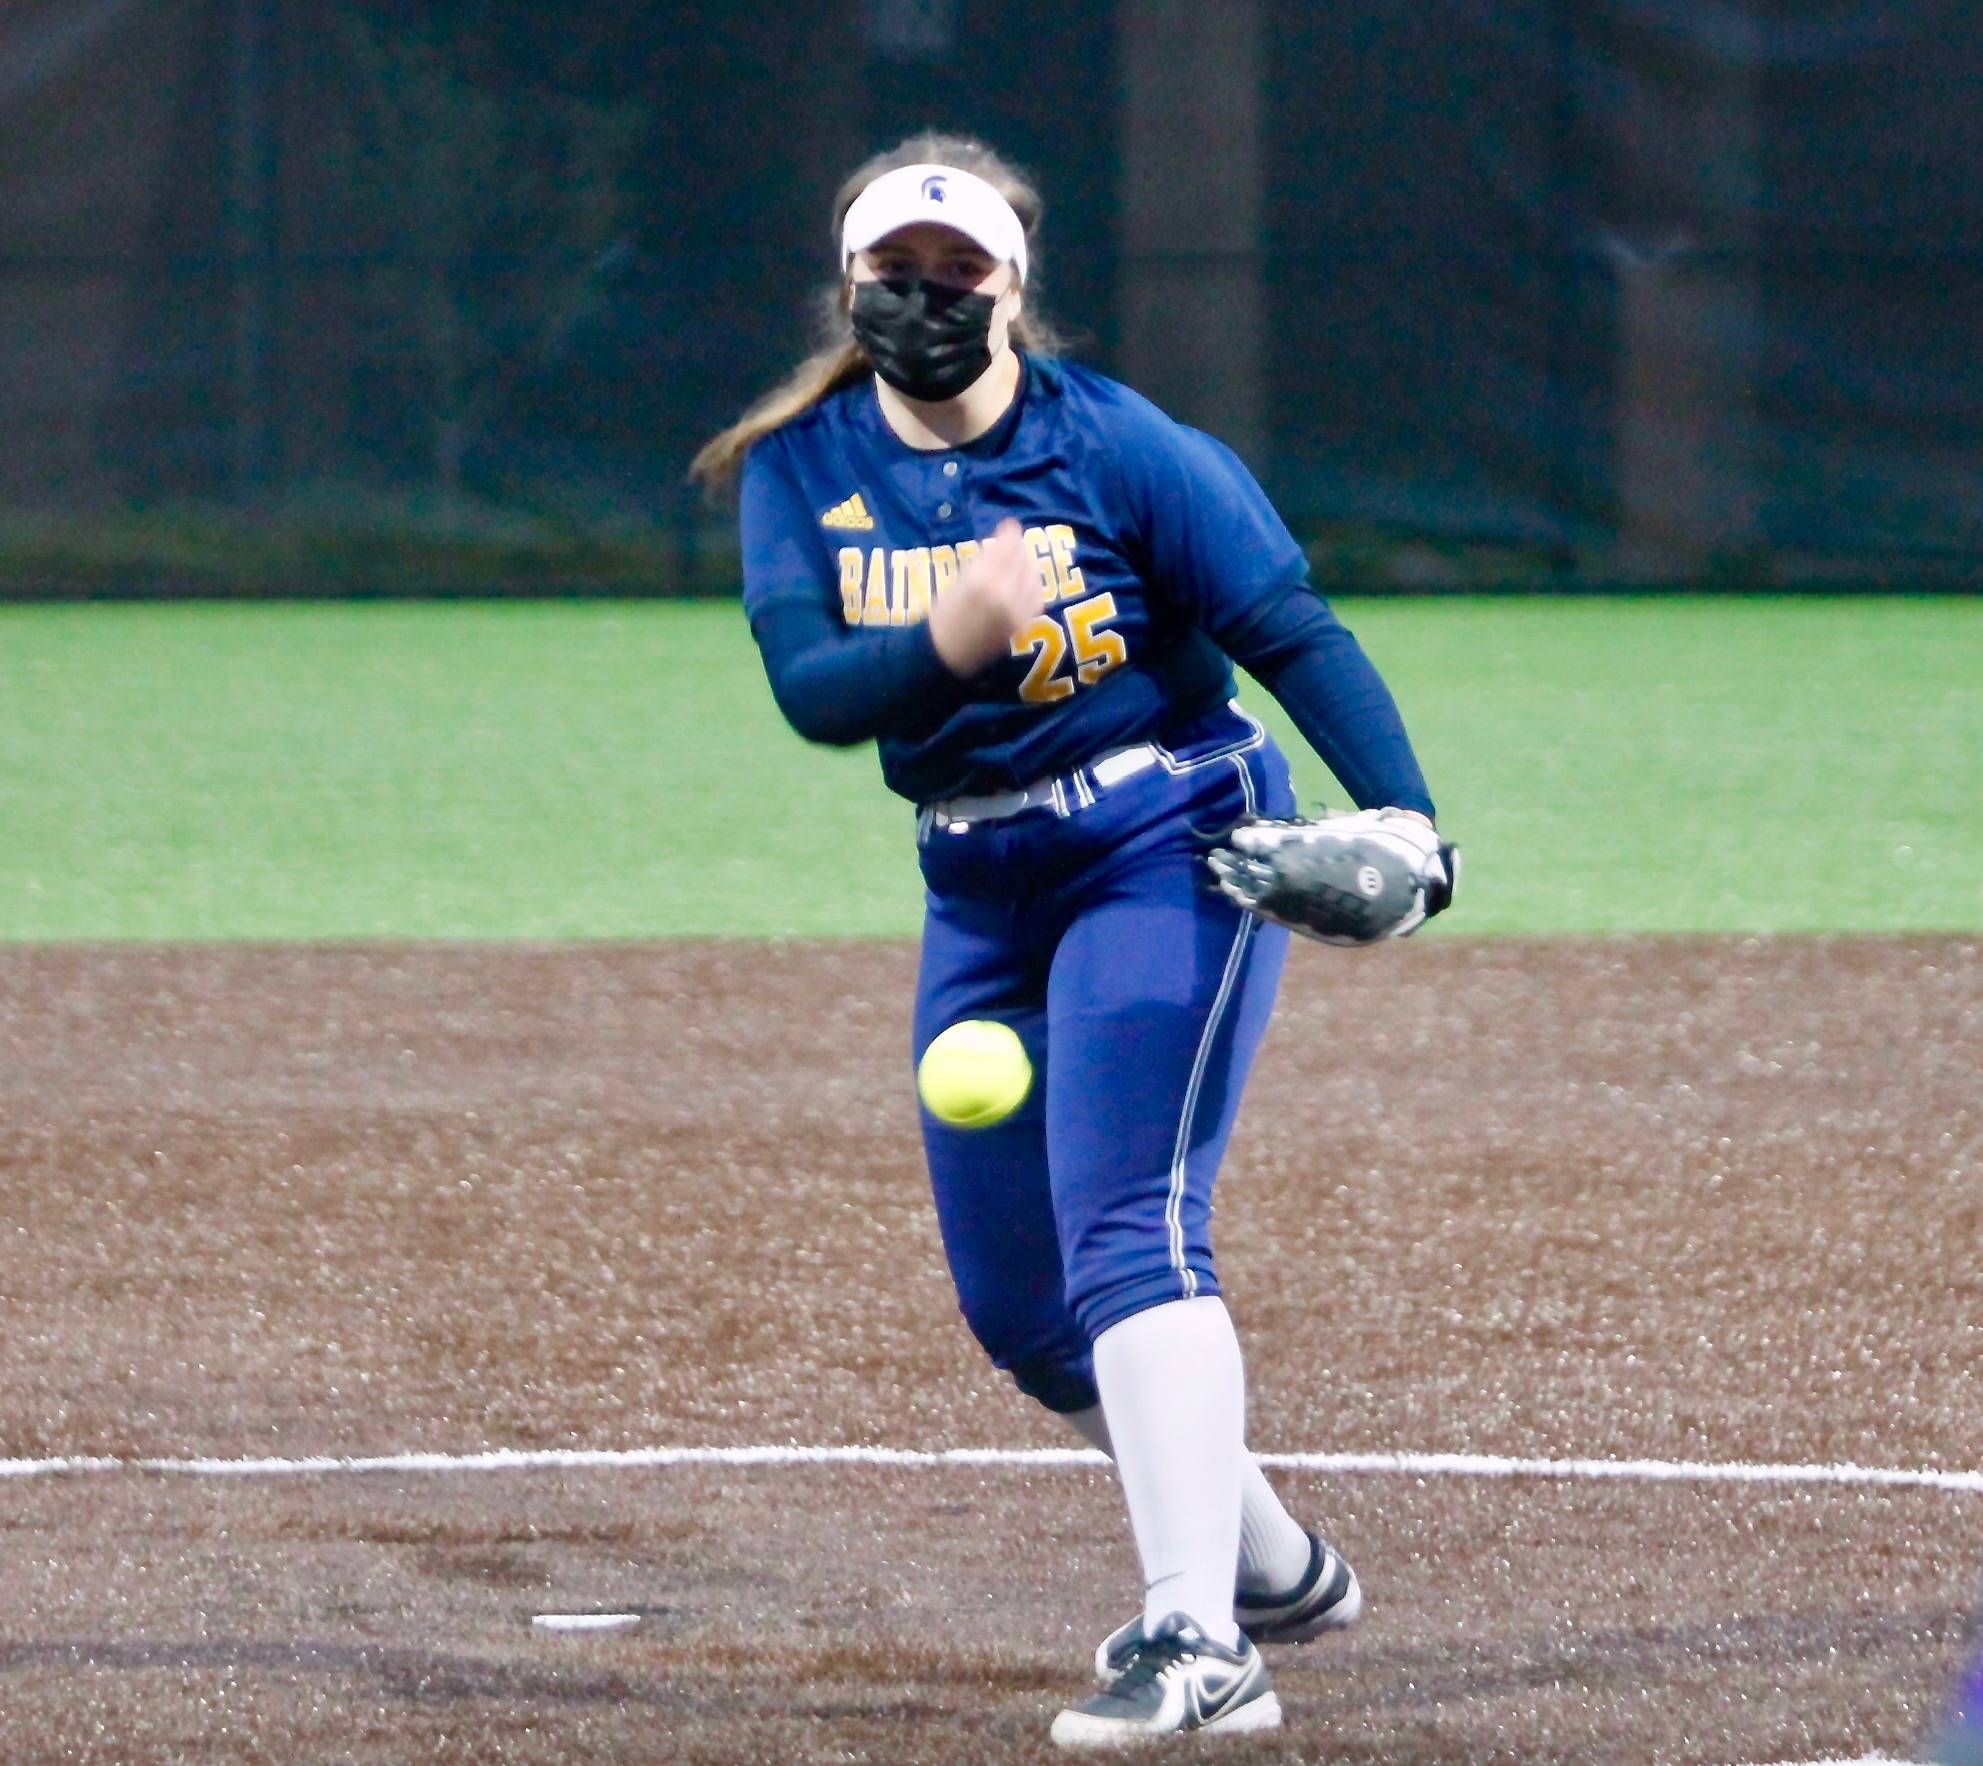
943 569
1067 574
852 563
1052 550
894 586
1095 651
1041 550
875 612
909 596
1043 683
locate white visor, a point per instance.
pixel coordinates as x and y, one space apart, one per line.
959 200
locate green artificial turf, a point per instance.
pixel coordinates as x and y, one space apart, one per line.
617 770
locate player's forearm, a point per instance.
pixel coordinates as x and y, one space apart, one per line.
1350 719
1302 654
847 687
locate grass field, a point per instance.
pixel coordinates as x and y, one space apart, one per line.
617 770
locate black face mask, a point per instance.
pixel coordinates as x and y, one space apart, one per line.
927 341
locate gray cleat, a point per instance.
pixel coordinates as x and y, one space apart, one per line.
1176 1679
1327 1598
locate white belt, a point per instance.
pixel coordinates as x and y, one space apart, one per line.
1063 793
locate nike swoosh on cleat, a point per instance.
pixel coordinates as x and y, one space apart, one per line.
1203 1701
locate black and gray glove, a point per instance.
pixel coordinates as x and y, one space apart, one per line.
1349 878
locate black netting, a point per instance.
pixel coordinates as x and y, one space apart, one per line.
337 293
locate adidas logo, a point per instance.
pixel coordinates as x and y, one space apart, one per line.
852 513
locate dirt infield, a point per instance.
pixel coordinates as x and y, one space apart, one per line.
1662 1199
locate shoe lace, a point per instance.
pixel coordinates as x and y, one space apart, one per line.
1153 1655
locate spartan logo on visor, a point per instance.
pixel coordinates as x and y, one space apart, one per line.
935 189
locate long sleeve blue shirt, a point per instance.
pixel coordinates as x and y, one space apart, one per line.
1161 564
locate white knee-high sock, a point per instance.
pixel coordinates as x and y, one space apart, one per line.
1273 1549
1174 1394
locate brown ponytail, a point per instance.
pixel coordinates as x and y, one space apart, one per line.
838 360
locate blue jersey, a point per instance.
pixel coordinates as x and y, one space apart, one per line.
1159 559
1080 918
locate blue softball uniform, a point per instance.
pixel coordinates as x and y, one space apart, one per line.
1064 796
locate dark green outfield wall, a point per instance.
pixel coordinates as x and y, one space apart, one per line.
344 296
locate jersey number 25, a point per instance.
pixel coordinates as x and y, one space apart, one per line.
1095 651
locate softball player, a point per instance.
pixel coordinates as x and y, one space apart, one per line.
1029 586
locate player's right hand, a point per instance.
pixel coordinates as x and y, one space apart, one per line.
992 599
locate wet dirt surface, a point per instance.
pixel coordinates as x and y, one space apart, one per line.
1663 1198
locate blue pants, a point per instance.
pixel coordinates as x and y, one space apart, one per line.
1141 995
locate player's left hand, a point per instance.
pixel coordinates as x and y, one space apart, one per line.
1345 879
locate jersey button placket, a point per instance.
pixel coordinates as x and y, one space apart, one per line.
946 490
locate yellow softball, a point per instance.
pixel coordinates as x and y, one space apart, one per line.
975 1074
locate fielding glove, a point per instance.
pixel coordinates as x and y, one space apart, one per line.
1349 878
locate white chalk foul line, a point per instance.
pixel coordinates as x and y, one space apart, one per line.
1425 1465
